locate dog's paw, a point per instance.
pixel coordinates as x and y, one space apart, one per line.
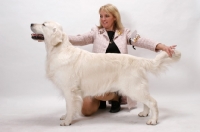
152 122
65 123
143 114
63 117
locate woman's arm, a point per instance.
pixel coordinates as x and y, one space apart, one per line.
168 49
83 39
138 41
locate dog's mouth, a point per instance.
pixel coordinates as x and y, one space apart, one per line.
37 36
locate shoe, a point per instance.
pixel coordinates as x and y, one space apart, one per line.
102 105
115 106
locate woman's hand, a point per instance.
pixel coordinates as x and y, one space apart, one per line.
168 49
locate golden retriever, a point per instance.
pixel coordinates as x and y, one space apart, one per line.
79 73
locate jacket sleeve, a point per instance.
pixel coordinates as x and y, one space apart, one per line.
83 39
136 40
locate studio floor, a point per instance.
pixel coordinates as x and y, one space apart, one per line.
177 113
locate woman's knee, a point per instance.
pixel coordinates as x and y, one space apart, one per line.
90 106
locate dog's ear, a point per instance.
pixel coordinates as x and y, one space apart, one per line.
57 37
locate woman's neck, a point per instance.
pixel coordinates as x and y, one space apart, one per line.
110 30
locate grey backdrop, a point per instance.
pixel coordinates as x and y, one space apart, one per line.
22 60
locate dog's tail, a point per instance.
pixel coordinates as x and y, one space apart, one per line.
161 62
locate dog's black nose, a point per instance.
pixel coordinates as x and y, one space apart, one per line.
32 25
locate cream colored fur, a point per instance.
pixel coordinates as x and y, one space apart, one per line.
79 73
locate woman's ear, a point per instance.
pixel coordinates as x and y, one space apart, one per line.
57 37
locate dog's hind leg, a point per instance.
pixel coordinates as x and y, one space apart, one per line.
145 111
150 103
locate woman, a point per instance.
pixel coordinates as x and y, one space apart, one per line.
112 37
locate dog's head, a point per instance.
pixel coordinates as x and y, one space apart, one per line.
48 31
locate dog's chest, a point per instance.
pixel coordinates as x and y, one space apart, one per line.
59 70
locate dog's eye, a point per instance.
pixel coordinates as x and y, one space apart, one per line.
43 24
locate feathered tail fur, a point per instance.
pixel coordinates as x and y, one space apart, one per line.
161 62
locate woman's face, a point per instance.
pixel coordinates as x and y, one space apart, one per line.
107 20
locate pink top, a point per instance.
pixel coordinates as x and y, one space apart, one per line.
100 40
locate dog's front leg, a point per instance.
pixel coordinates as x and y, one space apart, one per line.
67 118
63 117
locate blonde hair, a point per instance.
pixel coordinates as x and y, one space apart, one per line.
109 8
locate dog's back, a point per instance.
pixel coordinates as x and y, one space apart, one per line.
99 72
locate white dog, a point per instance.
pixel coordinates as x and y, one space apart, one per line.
79 73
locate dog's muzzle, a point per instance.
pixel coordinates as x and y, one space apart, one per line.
36 36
